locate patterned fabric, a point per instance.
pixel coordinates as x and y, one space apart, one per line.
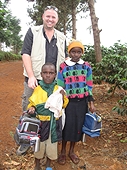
76 78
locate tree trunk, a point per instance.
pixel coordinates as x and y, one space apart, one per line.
0 46
64 28
73 20
96 31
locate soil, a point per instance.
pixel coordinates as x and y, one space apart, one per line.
106 152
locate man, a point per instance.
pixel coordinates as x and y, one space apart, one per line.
41 44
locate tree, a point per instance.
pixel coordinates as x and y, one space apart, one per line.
64 18
96 31
2 14
73 7
67 17
15 38
3 32
9 29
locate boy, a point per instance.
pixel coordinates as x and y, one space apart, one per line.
51 127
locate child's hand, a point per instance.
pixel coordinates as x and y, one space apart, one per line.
92 107
31 110
62 92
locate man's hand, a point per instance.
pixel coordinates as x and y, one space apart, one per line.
32 82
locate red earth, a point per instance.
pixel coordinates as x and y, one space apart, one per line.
107 152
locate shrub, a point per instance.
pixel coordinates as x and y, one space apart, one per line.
7 56
113 70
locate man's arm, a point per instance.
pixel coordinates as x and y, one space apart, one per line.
32 81
26 52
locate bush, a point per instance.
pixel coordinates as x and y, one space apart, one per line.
113 70
8 56
1 55
121 108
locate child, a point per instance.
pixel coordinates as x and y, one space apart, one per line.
75 76
51 127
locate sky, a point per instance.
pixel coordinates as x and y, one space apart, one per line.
112 20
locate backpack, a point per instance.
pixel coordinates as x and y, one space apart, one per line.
92 125
27 131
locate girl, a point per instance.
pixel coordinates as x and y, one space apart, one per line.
75 76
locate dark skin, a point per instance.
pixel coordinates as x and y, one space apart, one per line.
75 55
48 74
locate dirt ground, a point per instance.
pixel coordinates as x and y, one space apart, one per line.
107 152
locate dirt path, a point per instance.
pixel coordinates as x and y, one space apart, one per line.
103 153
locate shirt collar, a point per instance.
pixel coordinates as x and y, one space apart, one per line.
54 36
71 63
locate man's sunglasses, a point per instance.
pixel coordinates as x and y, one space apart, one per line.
51 7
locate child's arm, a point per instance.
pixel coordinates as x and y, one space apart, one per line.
31 110
91 107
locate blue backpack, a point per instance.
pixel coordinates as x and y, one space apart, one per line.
92 125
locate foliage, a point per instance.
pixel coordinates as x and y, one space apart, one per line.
89 54
65 9
10 29
113 70
116 49
121 108
7 56
38 8
2 14
3 31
